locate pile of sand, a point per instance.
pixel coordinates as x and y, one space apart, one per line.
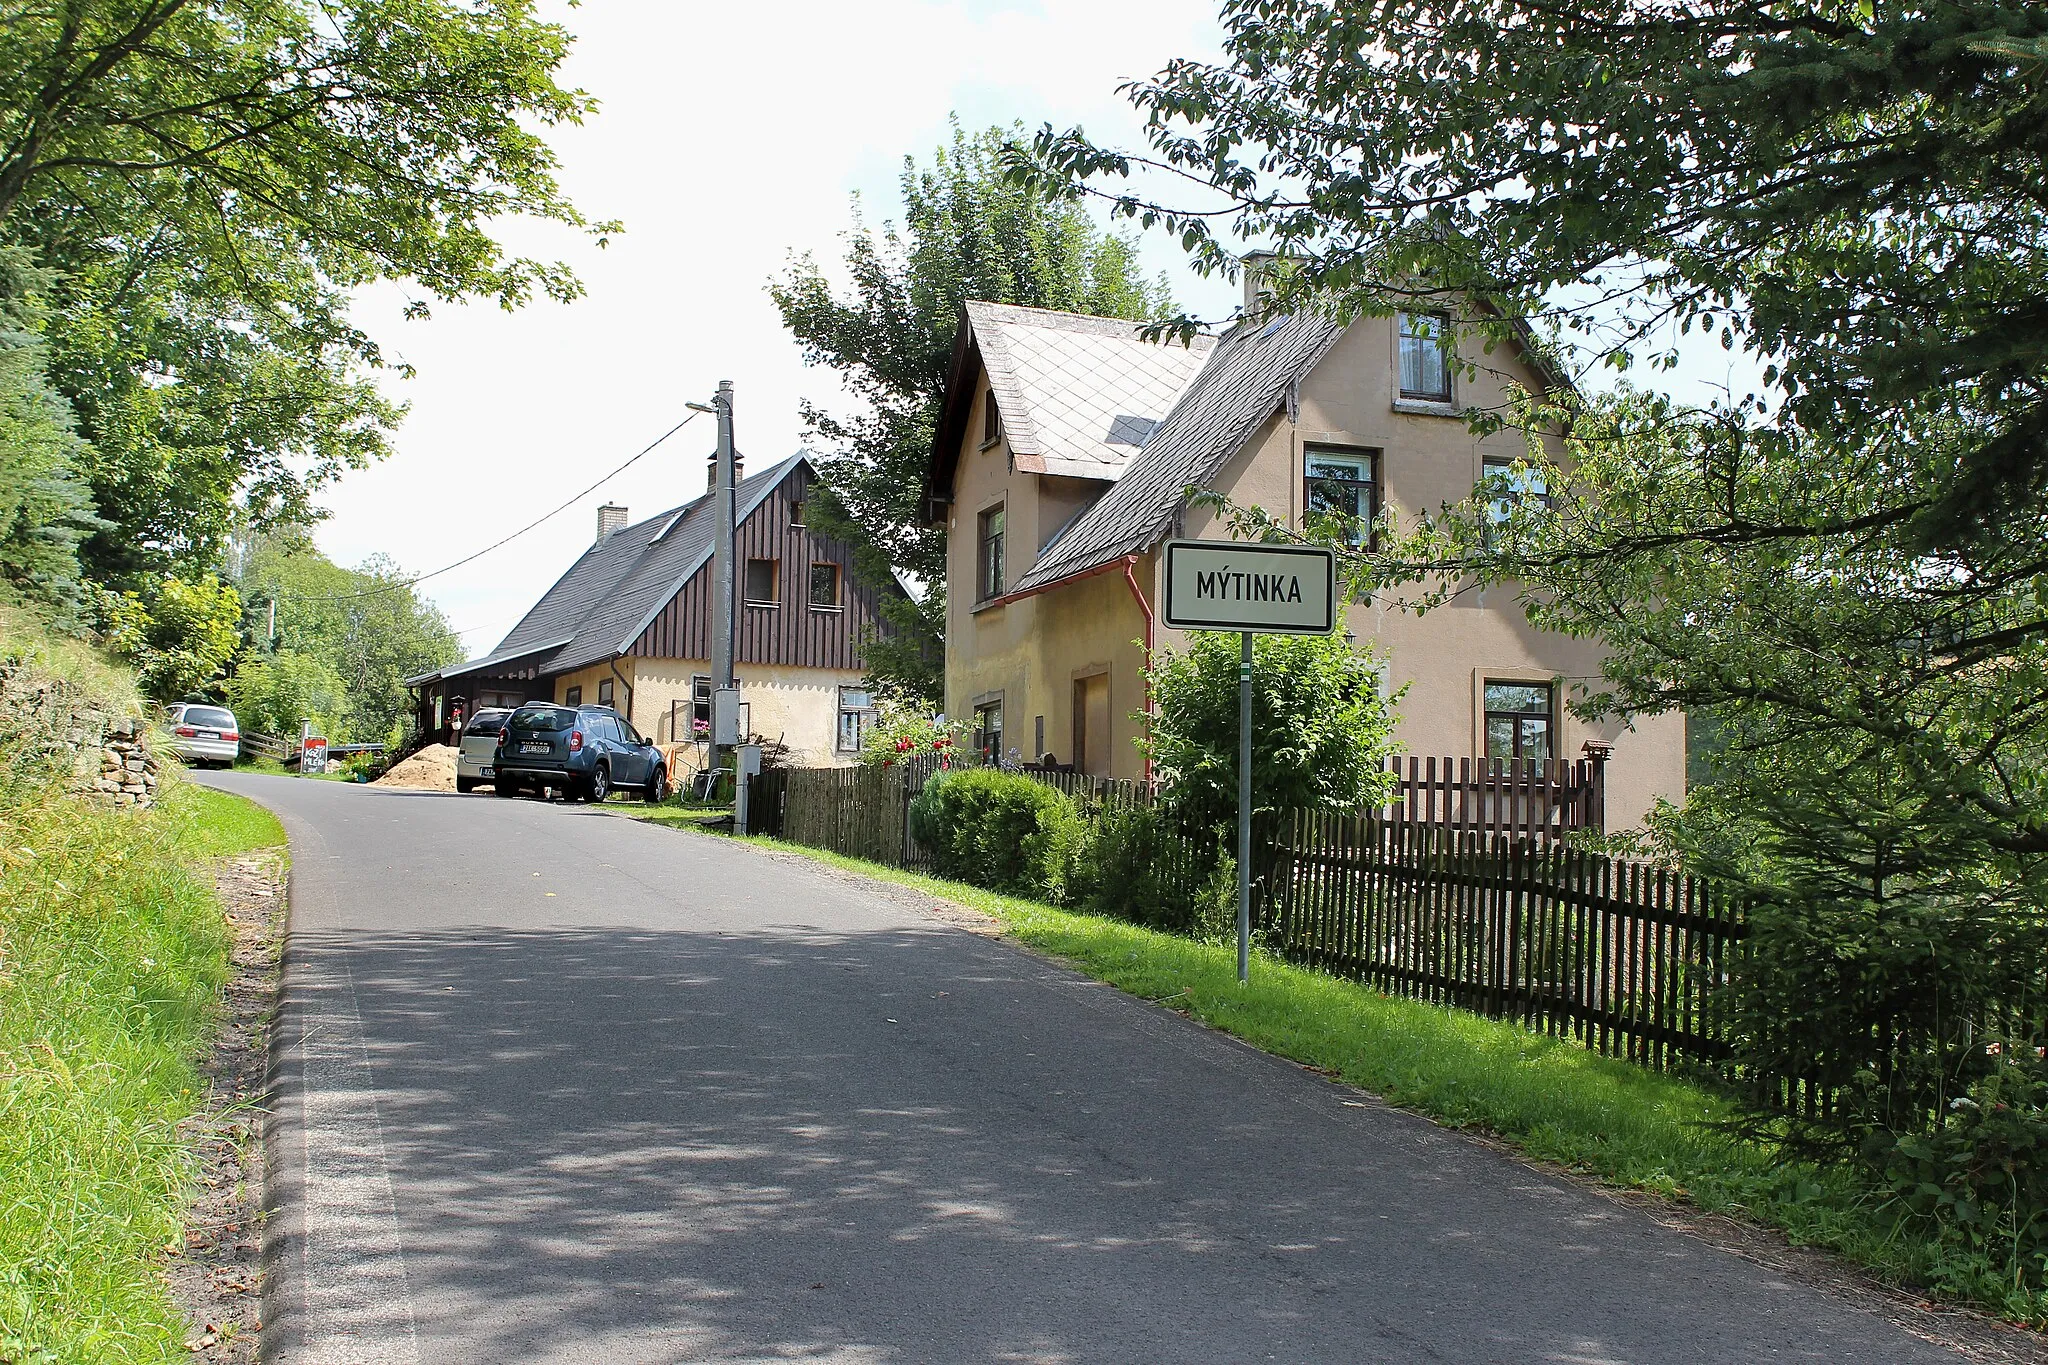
432 769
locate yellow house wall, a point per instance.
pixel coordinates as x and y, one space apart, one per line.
588 679
798 706
1030 651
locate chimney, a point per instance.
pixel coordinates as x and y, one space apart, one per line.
1255 270
739 471
610 517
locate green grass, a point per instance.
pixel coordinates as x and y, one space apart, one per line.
215 823
259 763
112 949
1552 1100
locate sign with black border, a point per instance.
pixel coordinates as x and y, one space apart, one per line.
1262 589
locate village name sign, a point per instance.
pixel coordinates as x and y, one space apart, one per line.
1253 590
1265 589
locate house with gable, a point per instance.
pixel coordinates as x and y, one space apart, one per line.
629 626
1062 458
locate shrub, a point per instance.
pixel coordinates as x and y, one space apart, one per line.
998 830
1321 731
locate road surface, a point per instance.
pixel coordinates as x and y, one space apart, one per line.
557 1086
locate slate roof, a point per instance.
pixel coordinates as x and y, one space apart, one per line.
600 606
1243 382
1078 395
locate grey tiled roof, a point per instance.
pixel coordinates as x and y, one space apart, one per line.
600 606
1078 395
1243 382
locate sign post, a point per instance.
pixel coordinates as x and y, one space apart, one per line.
1253 590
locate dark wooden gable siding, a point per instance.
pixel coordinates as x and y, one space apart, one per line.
790 632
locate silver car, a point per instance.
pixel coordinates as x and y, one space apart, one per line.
478 748
204 735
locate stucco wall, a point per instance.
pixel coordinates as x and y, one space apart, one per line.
799 706
1030 651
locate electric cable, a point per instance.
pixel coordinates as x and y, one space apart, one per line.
500 544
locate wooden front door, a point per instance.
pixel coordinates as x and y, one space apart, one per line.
1091 725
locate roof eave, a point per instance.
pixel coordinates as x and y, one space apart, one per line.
952 427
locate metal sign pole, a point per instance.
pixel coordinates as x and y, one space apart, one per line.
1244 807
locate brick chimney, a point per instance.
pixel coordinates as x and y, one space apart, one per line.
739 471
610 517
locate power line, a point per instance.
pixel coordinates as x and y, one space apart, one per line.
500 544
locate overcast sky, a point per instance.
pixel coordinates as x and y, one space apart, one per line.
729 137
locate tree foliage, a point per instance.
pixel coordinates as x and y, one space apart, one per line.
45 508
211 181
179 633
366 627
1321 730
1855 193
967 232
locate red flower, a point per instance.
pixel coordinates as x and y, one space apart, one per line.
902 744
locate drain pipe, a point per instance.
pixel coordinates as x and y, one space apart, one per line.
1131 578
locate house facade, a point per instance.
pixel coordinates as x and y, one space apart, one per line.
1063 457
629 626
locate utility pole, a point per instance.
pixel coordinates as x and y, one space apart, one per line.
725 693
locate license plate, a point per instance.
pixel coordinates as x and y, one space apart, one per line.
489 773
536 748
209 734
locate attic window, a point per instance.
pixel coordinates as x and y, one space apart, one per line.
991 419
796 511
1425 357
668 526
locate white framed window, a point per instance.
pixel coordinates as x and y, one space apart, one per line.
1342 484
1425 357
856 714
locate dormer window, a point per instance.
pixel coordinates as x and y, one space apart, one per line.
1425 357
991 419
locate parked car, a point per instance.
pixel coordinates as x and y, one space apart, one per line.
585 752
204 735
476 757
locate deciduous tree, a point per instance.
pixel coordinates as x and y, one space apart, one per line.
966 233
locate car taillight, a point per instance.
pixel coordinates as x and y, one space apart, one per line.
185 732
231 734
575 741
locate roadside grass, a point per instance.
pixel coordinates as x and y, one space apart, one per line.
112 950
261 763
1550 1099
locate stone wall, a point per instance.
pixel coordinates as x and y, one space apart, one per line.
52 730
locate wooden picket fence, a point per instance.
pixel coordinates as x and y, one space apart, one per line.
1621 957
1519 798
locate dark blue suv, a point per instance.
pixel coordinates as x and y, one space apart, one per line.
585 752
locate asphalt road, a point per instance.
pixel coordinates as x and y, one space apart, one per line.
560 1087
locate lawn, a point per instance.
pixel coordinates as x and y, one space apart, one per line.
115 947
1552 1100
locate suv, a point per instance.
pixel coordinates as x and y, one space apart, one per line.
476 756
585 751
204 735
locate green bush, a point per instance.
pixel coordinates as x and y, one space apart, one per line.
999 830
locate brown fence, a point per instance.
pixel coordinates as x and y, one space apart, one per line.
1621 957
1522 798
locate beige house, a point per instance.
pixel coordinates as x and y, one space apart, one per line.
629 626
1060 467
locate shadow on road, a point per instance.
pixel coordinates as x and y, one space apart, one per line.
909 1144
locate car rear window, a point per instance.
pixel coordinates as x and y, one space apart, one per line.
533 719
211 717
486 723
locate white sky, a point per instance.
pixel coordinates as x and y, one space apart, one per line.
725 144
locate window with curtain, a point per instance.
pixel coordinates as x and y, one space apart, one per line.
1425 357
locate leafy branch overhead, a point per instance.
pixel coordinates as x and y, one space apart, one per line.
1854 193
212 181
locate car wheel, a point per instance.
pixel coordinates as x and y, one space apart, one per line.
600 784
504 788
656 790
465 784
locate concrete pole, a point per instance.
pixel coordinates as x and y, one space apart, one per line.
722 579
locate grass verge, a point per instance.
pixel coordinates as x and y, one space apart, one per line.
112 950
1550 1099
